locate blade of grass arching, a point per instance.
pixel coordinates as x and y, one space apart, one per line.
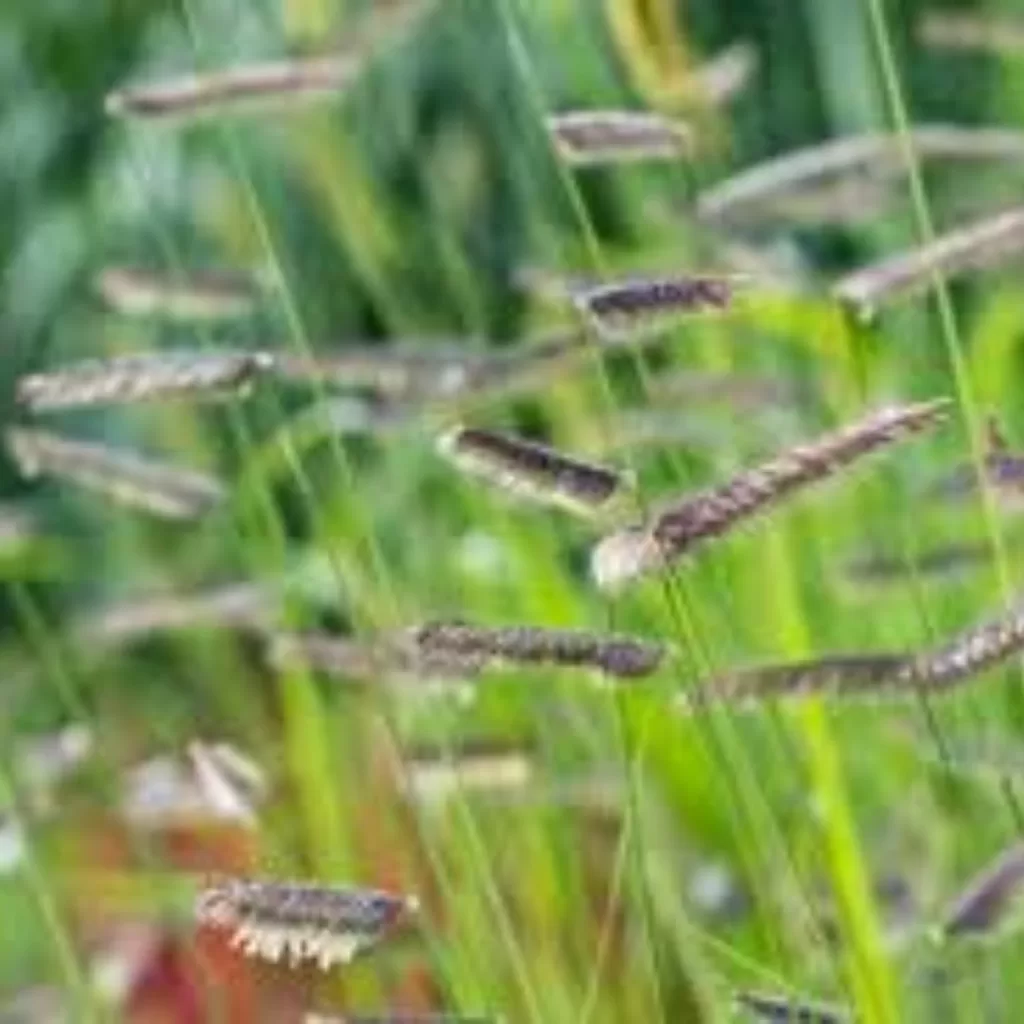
870 978
965 390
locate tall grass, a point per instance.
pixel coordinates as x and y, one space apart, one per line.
655 855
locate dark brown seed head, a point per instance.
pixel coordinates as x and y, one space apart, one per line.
532 470
642 304
624 657
299 920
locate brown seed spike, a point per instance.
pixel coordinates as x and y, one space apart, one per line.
142 377
988 899
979 245
640 304
767 1006
841 676
621 656
248 86
585 138
636 551
125 478
301 921
532 470
970 652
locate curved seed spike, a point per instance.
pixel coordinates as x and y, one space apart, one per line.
873 155
143 377
979 245
987 900
622 656
584 138
532 470
126 478
636 551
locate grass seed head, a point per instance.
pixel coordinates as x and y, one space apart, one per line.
300 921
196 376
584 138
636 551
620 656
125 478
528 469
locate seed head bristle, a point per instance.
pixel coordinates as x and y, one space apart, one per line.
584 138
531 470
125 478
781 1009
301 921
636 551
142 377
988 899
746 195
979 245
614 655
196 296
640 304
